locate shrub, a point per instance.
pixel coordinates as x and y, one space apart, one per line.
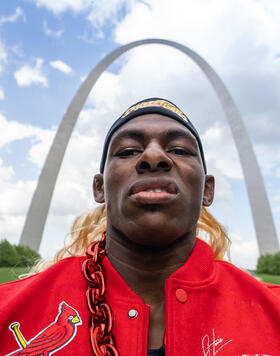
8 254
16 255
269 264
26 256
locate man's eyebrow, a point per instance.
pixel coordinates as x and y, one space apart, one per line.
173 134
134 134
170 134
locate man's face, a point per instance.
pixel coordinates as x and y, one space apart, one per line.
153 183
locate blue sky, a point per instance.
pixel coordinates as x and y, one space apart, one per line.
47 47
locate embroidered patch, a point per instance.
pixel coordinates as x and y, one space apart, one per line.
162 103
51 339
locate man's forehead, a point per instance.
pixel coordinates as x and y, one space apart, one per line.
140 127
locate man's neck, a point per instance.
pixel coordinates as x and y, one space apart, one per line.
145 268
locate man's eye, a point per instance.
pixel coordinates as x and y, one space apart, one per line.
128 152
181 152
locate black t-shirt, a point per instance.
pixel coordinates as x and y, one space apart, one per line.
156 352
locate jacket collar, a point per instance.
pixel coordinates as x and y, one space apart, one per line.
198 270
199 267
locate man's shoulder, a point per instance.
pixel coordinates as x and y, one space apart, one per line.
243 278
63 271
275 288
36 302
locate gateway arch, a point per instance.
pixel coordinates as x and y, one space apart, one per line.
262 217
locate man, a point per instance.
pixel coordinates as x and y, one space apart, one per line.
150 284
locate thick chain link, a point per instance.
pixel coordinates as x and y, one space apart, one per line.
101 315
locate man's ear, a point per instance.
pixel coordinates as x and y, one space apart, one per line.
209 187
98 188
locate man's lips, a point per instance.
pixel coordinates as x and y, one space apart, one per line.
153 191
146 197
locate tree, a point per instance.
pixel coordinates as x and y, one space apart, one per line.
8 254
26 256
269 264
13 255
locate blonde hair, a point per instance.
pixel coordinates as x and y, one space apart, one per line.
90 225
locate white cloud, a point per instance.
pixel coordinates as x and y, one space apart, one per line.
13 130
2 94
60 6
15 193
276 201
73 190
63 67
188 23
97 12
3 55
40 139
223 192
27 75
40 147
13 18
244 253
99 97
215 139
11 226
15 198
102 11
269 159
6 172
50 32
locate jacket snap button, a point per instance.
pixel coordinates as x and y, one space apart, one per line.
132 313
181 295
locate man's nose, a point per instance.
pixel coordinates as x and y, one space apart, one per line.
153 159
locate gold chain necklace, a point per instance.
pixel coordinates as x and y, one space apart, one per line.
101 315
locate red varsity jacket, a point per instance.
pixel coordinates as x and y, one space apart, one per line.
212 308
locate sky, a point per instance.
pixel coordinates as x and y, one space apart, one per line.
47 49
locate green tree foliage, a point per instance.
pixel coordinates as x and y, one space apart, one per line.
269 264
26 256
13 255
8 254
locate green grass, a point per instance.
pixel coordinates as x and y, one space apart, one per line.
269 278
8 274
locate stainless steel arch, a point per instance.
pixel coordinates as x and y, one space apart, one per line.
38 211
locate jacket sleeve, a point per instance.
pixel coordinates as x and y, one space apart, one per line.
273 287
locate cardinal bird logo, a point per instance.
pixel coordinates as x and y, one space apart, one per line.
53 338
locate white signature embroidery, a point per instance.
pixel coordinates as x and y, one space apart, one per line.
212 347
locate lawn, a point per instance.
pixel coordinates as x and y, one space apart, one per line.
8 274
269 278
